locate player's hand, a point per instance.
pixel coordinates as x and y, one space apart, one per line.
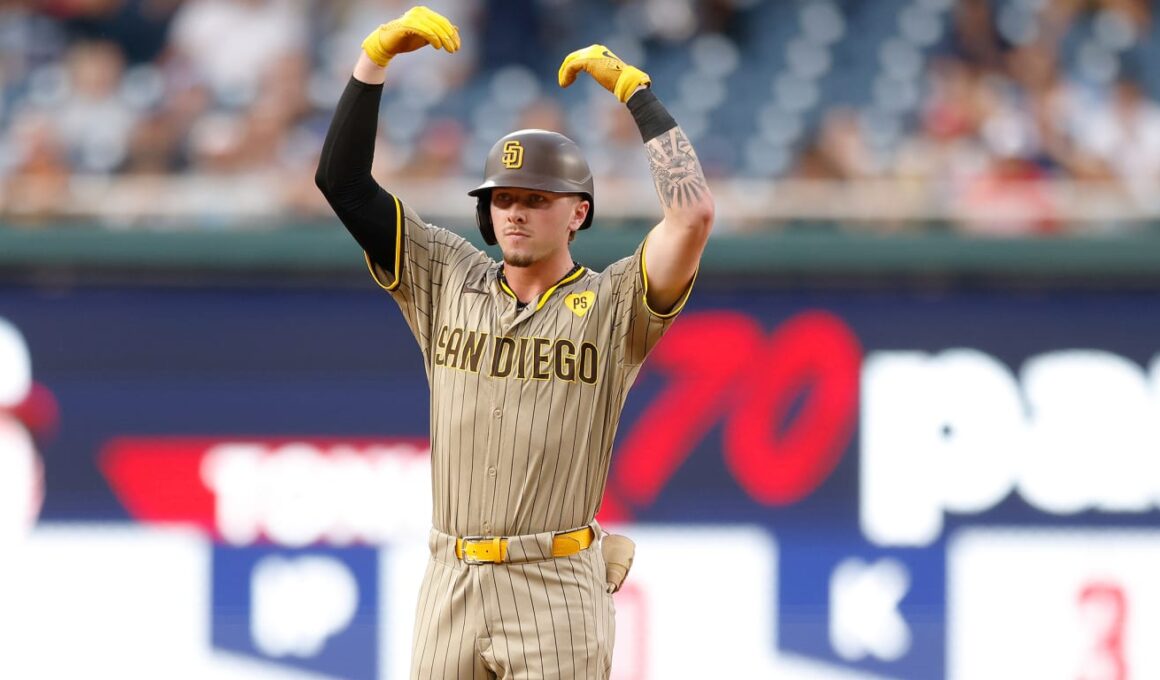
419 26
605 68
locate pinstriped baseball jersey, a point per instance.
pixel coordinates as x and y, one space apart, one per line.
524 401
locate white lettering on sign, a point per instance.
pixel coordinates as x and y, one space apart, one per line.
21 489
297 494
20 485
15 366
956 432
864 616
297 604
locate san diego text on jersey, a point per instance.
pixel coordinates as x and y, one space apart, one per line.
517 357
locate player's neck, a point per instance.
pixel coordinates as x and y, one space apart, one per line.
531 281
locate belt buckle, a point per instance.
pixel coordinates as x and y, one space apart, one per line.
496 545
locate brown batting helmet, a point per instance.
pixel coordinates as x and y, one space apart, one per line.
532 159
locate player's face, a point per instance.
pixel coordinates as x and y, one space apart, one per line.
533 226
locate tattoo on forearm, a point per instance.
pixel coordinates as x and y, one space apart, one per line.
675 169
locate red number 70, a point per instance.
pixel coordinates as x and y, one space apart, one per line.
724 371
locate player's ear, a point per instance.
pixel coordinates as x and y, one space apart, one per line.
579 213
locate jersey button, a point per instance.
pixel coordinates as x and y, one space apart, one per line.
491 472
497 413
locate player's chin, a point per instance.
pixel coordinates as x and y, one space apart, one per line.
517 258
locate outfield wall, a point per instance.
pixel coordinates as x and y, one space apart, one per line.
897 457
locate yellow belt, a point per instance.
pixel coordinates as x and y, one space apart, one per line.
493 549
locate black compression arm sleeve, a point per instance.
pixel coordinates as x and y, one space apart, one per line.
344 173
651 116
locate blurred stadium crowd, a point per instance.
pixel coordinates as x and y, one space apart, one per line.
996 116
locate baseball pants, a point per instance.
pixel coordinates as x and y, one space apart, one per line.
525 619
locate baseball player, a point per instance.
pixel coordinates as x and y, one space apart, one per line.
528 359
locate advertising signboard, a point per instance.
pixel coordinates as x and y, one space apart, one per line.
884 483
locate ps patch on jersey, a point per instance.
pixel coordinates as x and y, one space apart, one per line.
580 303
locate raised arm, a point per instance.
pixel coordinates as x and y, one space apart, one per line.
674 246
344 167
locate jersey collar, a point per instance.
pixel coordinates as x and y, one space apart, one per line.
576 272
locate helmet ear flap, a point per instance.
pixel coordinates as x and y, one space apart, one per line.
483 218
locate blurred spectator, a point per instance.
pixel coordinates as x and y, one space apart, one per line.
613 144
975 37
843 145
27 39
727 17
1007 199
947 154
660 20
1122 134
155 146
947 145
91 117
235 45
546 114
431 72
1012 112
437 151
37 185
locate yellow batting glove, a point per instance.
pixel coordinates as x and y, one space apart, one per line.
419 26
605 68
